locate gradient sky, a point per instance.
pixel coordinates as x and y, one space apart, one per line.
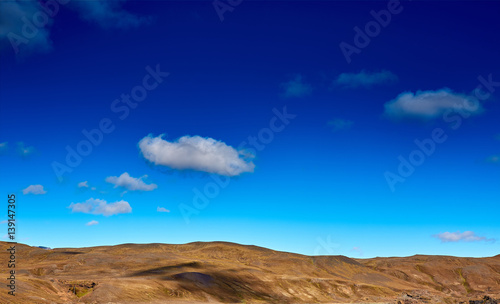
330 179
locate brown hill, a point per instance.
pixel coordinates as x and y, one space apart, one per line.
233 273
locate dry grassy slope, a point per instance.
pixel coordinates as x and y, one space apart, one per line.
231 273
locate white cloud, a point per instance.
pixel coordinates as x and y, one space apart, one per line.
161 209
34 189
296 87
93 188
131 183
99 206
466 236
4 222
338 124
92 223
83 184
365 79
195 153
430 104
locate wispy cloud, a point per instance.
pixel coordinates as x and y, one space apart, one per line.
14 15
195 153
130 183
34 189
92 223
99 206
358 250
83 184
296 87
161 209
466 236
365 79
108 14
339 124
494 159
23 150
4 147
428 105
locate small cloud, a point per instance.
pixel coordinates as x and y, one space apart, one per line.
92 223
99 206
196 153
296 87
427 105
83 184
108 14
365 79
131 183
466 236
357 250
161 209
3 147
340 124
34 189
4 222
93 188
23 150
494 159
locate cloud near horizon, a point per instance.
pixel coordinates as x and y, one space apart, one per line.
101 207
427 105
92 223
296 87
365 79
130 183
195 153
34 189
466 236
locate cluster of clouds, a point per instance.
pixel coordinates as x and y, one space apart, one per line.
466 236
195 153
21 149
108 14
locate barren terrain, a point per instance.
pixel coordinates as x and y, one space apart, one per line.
233 273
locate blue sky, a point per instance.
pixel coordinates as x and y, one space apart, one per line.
356 128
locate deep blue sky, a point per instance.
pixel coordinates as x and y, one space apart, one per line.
322 179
